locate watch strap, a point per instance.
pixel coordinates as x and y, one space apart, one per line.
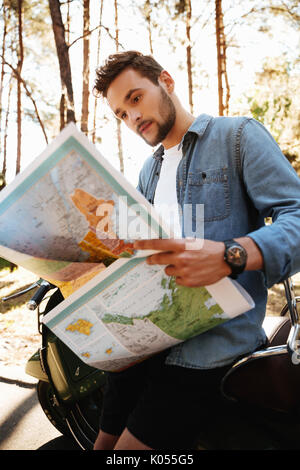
235 270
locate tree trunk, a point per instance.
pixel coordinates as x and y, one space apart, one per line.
221 58
3 63
19 94
62 111
98 61
63 58
189 53
6 128
86 68
119 134
62 104
147 11
68 24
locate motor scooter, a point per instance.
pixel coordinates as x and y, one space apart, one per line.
261 390
69 391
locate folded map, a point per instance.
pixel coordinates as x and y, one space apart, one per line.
71 218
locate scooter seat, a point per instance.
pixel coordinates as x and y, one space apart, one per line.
268 381
277 329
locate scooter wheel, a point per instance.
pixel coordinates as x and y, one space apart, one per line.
84 417
50 407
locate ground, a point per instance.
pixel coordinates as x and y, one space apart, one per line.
19 328
19 333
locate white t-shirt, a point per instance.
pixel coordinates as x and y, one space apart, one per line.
165 199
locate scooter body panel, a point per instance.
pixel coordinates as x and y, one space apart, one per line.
34 367
71 377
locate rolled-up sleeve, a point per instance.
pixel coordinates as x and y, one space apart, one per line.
274 188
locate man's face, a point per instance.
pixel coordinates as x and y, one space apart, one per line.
144 107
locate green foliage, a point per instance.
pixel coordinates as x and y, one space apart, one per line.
258 111
274 101
279 108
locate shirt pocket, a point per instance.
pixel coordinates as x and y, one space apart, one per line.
210 187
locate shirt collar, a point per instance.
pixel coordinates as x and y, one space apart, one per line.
198 127
159 153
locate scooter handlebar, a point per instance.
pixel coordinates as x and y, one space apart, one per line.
35 301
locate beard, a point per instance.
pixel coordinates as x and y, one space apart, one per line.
167 112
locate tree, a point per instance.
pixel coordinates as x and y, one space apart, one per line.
221 58
184 8
98 61
6 128
67 98
19 94
119 134
14 52
147 13
189 52
289 9
4 36
86 69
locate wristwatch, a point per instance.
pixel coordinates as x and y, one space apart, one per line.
235 256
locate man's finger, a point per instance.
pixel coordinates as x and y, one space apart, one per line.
162 258
162 244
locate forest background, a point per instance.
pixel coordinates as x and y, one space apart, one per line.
227 58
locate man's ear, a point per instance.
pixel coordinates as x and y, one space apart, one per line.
166 81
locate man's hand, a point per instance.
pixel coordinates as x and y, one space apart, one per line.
193 262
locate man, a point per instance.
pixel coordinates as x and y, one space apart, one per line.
235 168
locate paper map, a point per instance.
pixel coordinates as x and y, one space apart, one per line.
63 219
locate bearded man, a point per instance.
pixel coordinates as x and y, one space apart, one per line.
234 167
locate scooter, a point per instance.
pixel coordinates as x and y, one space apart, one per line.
261 390
69 391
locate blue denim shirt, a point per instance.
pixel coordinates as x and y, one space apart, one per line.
235 168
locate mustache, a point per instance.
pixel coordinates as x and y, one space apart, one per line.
142 125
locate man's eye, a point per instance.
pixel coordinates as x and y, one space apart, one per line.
123 115
136 99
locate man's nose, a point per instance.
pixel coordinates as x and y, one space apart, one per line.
135 116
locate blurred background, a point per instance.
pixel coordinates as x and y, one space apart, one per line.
227 58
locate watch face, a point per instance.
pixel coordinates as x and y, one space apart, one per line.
236 255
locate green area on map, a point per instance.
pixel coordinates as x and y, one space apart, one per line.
182 312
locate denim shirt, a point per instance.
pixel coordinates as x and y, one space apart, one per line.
235 168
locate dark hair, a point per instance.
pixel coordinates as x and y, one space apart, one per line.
146 65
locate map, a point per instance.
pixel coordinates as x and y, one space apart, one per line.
72 234
71 218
